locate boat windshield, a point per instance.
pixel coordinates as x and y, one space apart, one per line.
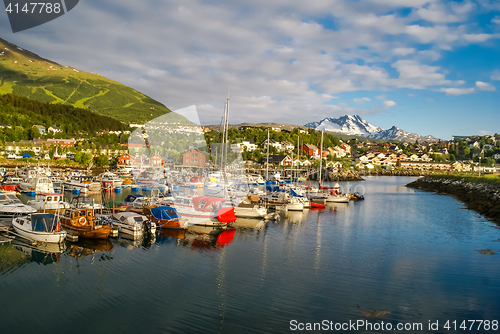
11 198
43 222
165 212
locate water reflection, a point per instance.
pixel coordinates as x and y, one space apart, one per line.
86 247
408 252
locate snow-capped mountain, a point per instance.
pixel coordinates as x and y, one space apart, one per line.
355 125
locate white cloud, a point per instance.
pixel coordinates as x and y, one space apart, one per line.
404 51
495 75
388 104
417 76
485 86
361 100
457 91
274 56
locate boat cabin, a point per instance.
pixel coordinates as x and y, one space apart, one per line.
79 217
208 204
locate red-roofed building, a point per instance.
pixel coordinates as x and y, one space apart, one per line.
156 160
193 157
125 159
312 150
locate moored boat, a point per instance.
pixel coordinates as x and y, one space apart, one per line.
132 223
162 216
49 203
11 205
81 222
43 227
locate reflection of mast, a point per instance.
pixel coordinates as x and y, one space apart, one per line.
221 284
317 253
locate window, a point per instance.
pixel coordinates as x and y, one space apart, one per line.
194 161
194 154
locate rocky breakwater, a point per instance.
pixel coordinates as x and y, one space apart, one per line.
406 172
482 196
343 176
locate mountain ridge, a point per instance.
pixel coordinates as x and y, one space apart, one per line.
356 125
27 74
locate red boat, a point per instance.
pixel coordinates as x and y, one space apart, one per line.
317 205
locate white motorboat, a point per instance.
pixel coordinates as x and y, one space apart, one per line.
44 227
49 203
83 183
249 207
40 184
132 223
11 205
110 180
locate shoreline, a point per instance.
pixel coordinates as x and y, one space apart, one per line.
481 196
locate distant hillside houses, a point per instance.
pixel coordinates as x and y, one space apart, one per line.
279 146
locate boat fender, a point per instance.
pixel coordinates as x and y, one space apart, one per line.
82 221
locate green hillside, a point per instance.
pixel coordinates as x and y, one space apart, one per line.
24 73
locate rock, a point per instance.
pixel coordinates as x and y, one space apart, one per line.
375 314
486 251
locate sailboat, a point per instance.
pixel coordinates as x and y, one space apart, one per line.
333 194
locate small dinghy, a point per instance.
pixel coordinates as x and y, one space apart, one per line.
317 205
44 227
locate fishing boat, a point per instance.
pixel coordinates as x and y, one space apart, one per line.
11 205
49 203
43 227
81 222
162 216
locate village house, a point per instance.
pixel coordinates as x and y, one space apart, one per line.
193 157
248 145
40 128
125 160
156 161
271 142
287 146
311 150
54 129
280 160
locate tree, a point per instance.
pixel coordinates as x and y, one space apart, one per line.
101 161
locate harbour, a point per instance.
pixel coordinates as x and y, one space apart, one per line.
412 254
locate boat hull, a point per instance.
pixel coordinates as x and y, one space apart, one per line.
50 237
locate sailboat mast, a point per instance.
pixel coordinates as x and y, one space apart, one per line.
320 156
267 164
298 155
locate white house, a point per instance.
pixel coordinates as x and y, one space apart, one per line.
54 129
287 146
249 145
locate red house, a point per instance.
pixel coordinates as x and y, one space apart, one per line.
312 150
156 160
193 157
125 159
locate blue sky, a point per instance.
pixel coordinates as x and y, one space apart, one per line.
429 67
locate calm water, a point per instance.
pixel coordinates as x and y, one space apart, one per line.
412 253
